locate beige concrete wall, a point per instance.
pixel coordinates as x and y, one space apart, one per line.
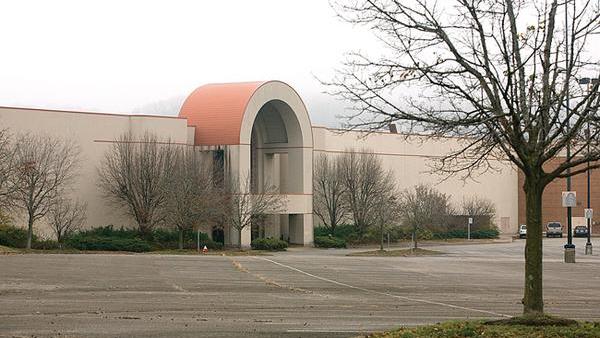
411 162
94 134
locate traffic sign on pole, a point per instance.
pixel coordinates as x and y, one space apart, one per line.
569 199
469 228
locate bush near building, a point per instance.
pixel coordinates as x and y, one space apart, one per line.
169 239
45 244
349 235
341 231
329 242
460 233
15 237
100 243
109 238
269 244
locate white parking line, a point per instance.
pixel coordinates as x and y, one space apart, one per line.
384 293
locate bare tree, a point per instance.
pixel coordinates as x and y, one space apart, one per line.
388 214
65 216
134 174
477 206
423 207
190 194
328 192
364 181
45 165
242 205
499 74
6 168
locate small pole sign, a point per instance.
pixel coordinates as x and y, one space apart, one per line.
569 199
469 228
588 213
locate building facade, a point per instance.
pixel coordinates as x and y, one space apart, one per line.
262 132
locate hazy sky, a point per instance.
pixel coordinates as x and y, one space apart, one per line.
118 56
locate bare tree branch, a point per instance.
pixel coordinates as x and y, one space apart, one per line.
134 175
44 167
495 74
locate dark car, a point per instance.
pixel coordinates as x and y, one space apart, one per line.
580 231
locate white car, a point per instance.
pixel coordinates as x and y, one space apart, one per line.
522 231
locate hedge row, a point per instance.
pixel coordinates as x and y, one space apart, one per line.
108 238
348 234
270 244
329 242
476 234
14 237
108 244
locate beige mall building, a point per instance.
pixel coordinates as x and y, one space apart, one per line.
263 130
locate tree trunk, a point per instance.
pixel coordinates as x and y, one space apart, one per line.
144 230
239 238
415 237
180 239
29 231
533 300
381 242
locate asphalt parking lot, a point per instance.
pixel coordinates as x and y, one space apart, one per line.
299 293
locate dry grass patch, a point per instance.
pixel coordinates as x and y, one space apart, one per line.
477 329
7 250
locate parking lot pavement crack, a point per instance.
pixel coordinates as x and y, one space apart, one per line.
387 294
266 280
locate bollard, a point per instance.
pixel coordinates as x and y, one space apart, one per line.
569 255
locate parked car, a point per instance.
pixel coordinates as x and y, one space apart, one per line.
580 231
522 231
554 229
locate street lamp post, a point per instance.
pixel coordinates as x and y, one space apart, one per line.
569 247
588 246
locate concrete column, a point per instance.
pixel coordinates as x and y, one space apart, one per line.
239 169
283 173
269 171
276 171
301 229
294 171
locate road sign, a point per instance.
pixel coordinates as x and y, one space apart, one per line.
569 199
588 213
469 228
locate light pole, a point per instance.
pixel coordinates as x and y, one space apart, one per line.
569 247
588 246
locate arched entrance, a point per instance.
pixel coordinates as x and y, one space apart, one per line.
265 133
276 146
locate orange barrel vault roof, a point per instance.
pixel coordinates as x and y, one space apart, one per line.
217 111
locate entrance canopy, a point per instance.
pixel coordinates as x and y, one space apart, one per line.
224 114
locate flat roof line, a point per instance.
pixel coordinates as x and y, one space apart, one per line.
92 113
